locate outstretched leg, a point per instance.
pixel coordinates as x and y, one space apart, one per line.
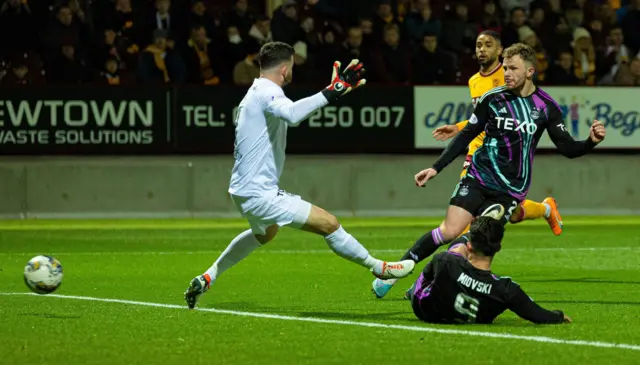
346 246
452 227
239 248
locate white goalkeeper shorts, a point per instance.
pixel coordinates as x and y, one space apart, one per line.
274 207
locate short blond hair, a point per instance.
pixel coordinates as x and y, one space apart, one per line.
520 49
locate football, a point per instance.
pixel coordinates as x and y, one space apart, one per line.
43 274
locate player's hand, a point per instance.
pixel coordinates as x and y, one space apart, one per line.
597 132
567 319
423 176
343 81
445 132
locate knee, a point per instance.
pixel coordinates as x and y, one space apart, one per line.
451 231
518 215
268 236
331 225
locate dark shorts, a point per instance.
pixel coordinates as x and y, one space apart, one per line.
471 196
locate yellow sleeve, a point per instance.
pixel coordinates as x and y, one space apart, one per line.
462 124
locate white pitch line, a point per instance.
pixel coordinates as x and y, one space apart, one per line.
508 336
302 252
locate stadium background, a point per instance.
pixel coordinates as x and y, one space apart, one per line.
94 126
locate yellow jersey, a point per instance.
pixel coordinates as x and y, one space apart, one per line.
480 84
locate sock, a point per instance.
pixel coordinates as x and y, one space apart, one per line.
238 249
534 210
425 246
347 247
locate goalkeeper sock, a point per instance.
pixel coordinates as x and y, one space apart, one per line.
238 249
347 247
535 210
425 246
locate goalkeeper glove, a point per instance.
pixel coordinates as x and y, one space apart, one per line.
342 82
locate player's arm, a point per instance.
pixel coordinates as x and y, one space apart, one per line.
525 308
293 112
342 82
563 140
474 127
462 124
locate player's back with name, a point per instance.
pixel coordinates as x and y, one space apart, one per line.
459 290
462 293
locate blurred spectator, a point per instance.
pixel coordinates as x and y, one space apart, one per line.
310 36
240 17
110 73
384 16
509 35
490 19
112 45
164 17
17 28
123 21
199 16
431 64
234 50
353 47
304 68
285 25
68 68
538 24
393 61
509 5
598 35
261 30
366 24
458 34
563 71
615 55
607 16
419 23
631 25
575 17
584 56
629 74
159 64
328 51
245 71
529 37
64 29
202 60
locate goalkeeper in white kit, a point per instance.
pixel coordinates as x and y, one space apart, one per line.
262 120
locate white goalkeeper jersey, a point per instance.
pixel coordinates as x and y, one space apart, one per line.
261 136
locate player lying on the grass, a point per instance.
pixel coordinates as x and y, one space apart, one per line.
457 286
513 117
262 120
491 74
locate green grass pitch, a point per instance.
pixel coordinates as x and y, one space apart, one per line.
294 302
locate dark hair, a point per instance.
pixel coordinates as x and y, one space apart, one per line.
486 235
273 54
493 34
